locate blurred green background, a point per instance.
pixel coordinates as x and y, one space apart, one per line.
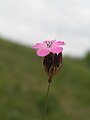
23 84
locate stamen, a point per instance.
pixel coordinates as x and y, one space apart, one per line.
48 43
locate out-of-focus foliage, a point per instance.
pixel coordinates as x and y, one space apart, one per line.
87 59
23 84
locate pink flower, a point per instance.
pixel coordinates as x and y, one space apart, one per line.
48 46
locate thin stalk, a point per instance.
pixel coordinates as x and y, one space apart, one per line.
46 102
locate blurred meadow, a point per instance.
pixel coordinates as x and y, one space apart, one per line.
23 84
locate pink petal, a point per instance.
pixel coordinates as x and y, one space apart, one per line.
38 45
56 49
58 43
43 52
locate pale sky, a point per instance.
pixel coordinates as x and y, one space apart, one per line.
31 21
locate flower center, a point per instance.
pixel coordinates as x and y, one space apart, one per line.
48 43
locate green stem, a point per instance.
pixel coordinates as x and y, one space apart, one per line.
46 102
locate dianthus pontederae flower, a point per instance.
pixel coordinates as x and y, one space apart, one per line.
52 53
48 46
